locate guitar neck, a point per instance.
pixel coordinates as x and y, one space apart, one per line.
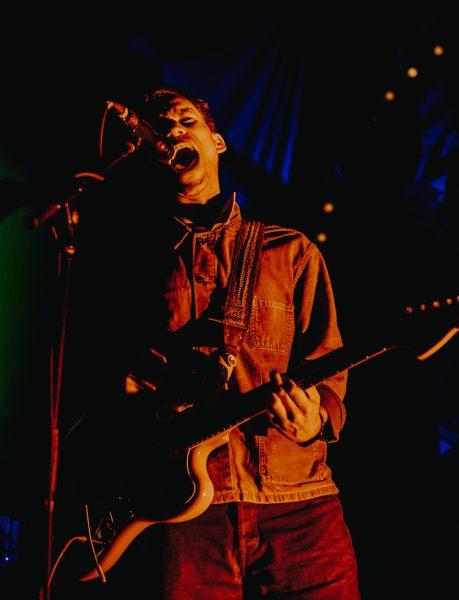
196 425
236 410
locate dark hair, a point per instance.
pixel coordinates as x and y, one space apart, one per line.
159 99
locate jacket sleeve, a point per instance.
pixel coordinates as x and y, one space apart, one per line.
317 333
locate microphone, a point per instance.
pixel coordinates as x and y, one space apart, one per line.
163 149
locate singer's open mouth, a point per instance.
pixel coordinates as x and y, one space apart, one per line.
184 160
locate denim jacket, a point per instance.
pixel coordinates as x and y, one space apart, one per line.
293 317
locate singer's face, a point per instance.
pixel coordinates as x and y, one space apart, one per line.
195 163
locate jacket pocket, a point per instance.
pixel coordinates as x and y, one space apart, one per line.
271 325
283 461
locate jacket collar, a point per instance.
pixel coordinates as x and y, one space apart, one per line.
229 216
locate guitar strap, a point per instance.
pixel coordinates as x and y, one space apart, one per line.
241 285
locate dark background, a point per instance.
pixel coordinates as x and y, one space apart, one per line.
301 105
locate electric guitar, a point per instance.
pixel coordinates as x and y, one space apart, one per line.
182 489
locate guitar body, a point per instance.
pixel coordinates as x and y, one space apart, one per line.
183 492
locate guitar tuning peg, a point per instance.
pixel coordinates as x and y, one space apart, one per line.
435 304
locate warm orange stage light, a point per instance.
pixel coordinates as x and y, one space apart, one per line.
389 96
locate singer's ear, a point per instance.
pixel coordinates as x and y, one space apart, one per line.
219 143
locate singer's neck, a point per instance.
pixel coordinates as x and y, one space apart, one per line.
197 192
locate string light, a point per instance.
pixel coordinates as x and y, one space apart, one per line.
412 72
438 50
321 237
328 207
389 96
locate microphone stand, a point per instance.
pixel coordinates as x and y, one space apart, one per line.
63 231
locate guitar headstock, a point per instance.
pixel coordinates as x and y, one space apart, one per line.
432 325
416 327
